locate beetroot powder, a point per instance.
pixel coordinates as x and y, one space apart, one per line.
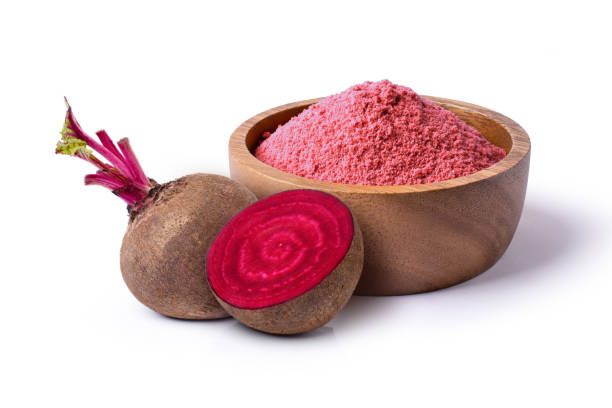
377 133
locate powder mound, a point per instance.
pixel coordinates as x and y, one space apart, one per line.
377 133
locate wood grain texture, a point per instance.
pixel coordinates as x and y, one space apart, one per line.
416 238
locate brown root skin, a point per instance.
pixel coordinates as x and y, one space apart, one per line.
164 248
314 308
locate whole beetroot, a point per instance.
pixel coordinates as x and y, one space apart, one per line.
170 227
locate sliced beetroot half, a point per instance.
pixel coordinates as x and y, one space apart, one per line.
288 263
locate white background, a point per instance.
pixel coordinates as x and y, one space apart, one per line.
177 78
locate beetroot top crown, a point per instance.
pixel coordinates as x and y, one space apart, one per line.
122 174
279 248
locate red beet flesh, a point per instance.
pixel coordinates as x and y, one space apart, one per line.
279 248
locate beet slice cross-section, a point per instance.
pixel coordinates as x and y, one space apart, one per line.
288 263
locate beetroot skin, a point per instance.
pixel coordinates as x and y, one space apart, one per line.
171 225
164 248
288 263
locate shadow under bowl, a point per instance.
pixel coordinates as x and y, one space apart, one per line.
417 238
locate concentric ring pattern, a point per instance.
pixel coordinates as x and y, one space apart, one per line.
279 248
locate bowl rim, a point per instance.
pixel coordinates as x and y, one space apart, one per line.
521 146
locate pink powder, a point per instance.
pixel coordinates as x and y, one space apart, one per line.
377 133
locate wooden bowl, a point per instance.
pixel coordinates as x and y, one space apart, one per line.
422 237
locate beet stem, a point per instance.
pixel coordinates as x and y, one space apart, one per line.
132 162
74 130
103 180
107 142
124 176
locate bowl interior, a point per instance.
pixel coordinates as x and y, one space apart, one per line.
489 128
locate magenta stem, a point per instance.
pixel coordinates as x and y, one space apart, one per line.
124 175
107 142
132 161
103 180
80 134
